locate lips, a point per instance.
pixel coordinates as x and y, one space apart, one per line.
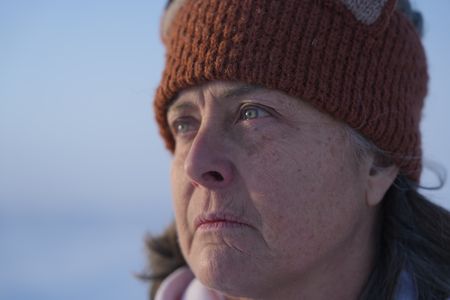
211 221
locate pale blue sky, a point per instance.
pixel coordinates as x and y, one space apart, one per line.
83 173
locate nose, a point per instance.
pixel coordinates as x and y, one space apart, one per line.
207 163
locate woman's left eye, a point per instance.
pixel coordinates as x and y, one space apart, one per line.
250 112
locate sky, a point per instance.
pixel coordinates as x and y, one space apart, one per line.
84 175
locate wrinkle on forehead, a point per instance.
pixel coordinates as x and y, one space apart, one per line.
229 90
214 90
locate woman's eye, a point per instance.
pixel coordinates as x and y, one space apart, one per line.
253 112
183 126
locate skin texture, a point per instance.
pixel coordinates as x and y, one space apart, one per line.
285 210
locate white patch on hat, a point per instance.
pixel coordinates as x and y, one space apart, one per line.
170 13
366 11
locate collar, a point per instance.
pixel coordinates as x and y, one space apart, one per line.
182 285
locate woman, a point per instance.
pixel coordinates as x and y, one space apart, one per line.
294 127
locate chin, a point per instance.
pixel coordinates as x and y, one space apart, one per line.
228 271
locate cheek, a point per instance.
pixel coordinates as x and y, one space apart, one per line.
180 201
176 186
302 193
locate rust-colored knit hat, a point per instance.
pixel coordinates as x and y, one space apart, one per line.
360 61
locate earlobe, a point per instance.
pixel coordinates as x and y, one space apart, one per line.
379 181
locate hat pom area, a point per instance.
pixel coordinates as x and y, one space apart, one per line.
368 11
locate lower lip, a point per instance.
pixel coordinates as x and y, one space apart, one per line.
219 225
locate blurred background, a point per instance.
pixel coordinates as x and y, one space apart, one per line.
83 172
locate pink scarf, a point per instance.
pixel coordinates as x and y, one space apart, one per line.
182 285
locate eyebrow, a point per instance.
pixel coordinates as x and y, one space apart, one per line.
231 93
180 107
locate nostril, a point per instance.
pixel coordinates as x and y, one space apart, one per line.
217 176
213 175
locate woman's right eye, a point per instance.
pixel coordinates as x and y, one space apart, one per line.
183 126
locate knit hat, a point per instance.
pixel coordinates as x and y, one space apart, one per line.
360 61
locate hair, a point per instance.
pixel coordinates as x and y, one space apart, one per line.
414 233
164 256
415 237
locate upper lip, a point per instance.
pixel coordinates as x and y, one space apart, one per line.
213 217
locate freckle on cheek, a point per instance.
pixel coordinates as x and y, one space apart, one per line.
274 157
267 138
333 150
252 149
319 165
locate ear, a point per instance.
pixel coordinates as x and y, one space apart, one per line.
369 11
378 182
172 9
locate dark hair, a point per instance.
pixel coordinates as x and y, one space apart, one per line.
414 237
164 255
414 234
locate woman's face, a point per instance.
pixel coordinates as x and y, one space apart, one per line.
267 191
